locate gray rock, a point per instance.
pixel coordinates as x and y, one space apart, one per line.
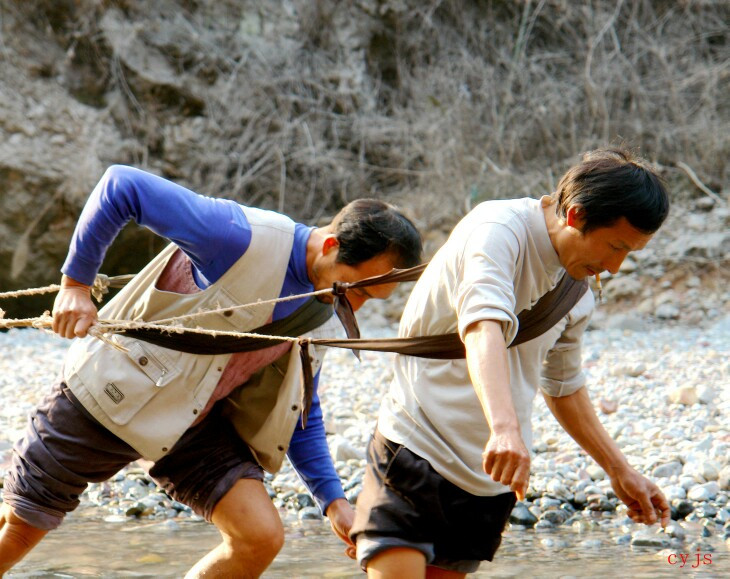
342 449
675 492
554 516
723 478
623 539
704 492
668 469
667 312
521 515
675 530
544 525
309 513
650 540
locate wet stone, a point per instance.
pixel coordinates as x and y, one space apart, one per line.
646 540
521 515
554 516
683 508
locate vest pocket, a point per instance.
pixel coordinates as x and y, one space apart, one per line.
122 383
233 318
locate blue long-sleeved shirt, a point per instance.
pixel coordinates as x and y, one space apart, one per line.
214 234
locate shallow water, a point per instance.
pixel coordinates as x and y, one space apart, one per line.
94 548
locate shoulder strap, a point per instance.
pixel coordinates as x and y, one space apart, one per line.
548 310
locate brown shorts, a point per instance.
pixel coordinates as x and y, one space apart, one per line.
406 503
64 448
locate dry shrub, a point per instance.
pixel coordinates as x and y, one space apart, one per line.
303 105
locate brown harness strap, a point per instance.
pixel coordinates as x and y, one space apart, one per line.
546 312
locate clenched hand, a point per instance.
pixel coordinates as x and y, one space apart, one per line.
73 311
507 460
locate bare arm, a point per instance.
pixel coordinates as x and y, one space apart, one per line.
505 458
576 415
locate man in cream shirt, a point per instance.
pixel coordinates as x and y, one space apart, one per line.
450 451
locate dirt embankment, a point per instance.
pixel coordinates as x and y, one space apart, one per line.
302 106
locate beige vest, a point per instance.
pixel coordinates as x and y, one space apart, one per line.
149 395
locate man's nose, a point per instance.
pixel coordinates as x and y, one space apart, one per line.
613 263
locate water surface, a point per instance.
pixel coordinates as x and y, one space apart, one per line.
88 547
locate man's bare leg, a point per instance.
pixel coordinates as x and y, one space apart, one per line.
396 563
17 538
403 562
252 534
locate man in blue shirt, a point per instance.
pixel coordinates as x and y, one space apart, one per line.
209 467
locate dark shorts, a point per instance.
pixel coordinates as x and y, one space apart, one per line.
64 448
406 503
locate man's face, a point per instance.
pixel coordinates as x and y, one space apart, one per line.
328 271
602 249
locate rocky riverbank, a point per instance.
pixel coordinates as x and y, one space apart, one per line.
663 393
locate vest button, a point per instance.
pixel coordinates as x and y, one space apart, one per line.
281 448
143 361
228 313
295 407
195 410
164 449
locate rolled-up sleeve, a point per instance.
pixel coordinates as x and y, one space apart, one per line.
484 289
562 369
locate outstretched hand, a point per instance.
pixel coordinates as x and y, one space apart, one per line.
341 516
507 460
73 311
646 503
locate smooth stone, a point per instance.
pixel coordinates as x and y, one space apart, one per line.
309 513
342 449
685 395
557 489
667 470
305 500
596 472
521 515
704 492
722 516
707 511
723 478
675 493
549 502
554 516
603 505
544 525
581 526
709 471
650 541
675 530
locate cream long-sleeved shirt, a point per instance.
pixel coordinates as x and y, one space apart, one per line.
497 262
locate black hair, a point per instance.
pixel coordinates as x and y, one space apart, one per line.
612 183
366 228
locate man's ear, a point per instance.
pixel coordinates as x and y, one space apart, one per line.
330 243
574 217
